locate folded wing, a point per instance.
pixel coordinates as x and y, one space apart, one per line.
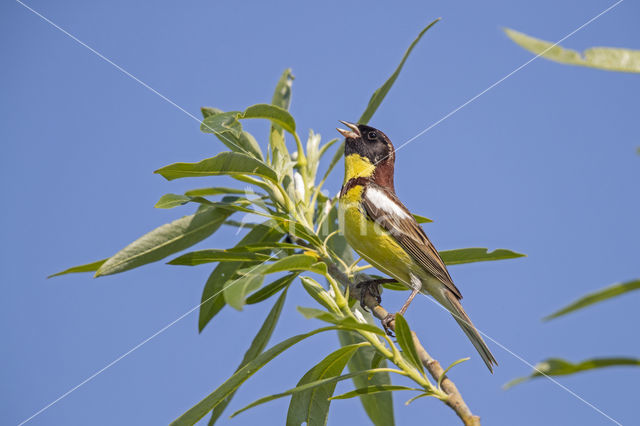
383 207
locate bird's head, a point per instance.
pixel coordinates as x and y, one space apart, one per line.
372 153
367 142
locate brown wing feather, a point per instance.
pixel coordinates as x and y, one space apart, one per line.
408 233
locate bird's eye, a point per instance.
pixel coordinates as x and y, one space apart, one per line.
372 135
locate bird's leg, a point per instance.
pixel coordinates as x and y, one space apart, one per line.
386 321
371 287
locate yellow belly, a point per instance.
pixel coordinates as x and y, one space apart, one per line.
371 241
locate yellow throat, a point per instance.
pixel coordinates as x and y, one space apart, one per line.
356 165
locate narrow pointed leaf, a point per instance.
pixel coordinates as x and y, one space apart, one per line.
169 201
405 340
258 344
346 322
165 240
216 255
296 262
422 219
561 367
236 291
369 390
271 289
334 160
379 95
422 395
203 192
396 286
446 370
326 146
596 297
198 411
212 296
379 407
225 163
212 300
469 255
280 157
89 267
604 58
308 386
312 406
376 360
319 294
282 93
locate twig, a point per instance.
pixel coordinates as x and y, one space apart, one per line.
454 400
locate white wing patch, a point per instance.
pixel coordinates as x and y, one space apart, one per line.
383 202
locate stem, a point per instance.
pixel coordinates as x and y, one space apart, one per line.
452 398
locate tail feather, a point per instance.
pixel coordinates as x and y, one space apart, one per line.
458 313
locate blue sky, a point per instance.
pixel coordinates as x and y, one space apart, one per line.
543 164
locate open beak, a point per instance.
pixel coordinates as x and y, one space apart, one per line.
353 133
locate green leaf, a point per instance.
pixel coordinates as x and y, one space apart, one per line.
312 406
236 291
369 390
203 192
212 300
89 267
258 344
469 255
396 286
208 111
169 201
308 386
212 297
216 255
199 410
604 58
296 262
376 359
596 297
319 294
326 146
225 163
223 123
227 128
379 95
421 219
334 160
446 370
560 367
405 340
422 395
282 93
379 407
271 289
275 114
165 240
346 322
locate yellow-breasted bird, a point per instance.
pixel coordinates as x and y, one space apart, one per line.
383 231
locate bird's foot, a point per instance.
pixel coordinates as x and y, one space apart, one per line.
386 323
370 287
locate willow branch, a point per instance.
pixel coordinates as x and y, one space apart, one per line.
454 400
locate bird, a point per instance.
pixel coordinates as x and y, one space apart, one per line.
383 231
